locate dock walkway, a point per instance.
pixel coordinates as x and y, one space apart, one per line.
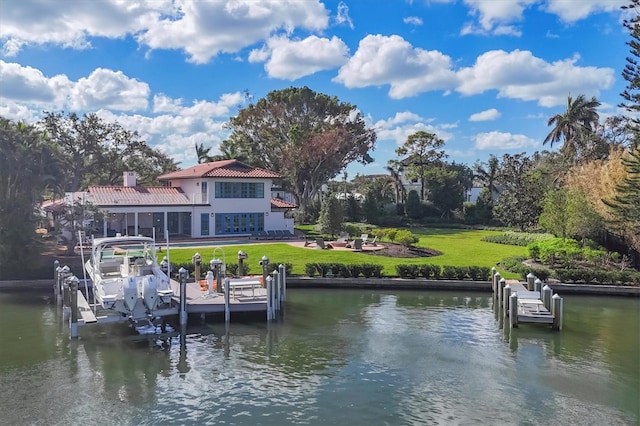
530 305
248 298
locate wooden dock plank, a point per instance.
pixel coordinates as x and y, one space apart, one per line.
201 302
84 310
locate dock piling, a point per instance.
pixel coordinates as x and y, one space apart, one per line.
546 297
182 273
276 291
73 295
537 285
530 281
505 298
496 280
227 312
283 283
501 285
513 310
556 311
269 285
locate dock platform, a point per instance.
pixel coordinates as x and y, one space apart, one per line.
249 298
530 305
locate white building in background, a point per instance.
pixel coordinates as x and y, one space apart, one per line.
221 198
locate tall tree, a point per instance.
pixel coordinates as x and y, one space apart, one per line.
395 169
330 221
421 151
88 143
203 153
308 137
625 204
576 126
519 203
29 167
487 173
631 72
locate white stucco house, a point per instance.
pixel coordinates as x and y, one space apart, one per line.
220 198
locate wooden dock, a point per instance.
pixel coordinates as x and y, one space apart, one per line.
528 302
242 299
530 305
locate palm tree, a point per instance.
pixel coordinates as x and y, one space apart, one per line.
575 126
487 176
395 169
203 154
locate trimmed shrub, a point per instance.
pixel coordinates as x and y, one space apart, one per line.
355 270
449 272
406 238
407 271
311 269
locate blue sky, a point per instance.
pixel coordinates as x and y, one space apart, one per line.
484 75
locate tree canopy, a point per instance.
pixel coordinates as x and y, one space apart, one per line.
95 152
29 168
307 137
422 151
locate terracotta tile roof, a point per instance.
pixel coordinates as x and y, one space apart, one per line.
53 206
281 204
221 169
137 195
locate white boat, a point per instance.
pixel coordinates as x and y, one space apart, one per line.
126 276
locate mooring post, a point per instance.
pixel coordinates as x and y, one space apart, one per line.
73 293
182 274
241 257
216 266
264 262
276 291
197 260
493 274
227 311
556 311
537 286
57 286
505 299
56 269
501 284
513 310
269 284
65 273
546 297
496 280
530 280
283 281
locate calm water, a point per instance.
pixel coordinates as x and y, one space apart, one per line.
338 358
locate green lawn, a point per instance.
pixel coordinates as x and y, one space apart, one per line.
460 247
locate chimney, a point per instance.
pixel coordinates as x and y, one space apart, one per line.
129 178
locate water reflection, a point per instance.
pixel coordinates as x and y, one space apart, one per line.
339 357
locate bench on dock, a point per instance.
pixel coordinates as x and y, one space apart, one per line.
246 283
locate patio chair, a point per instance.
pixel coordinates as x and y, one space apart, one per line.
262 235
288 234
279 234
357 244
364 237
321 245
271 235
372 242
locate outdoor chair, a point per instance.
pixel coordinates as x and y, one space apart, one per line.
271 235
279 234
288 234
364 237
357 244
372 242
321 245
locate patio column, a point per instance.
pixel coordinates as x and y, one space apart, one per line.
135 223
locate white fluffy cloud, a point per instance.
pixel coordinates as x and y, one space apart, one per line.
505 141
486 115
293 59
201 29
520 75
570 11
382 60
399 127
101 89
